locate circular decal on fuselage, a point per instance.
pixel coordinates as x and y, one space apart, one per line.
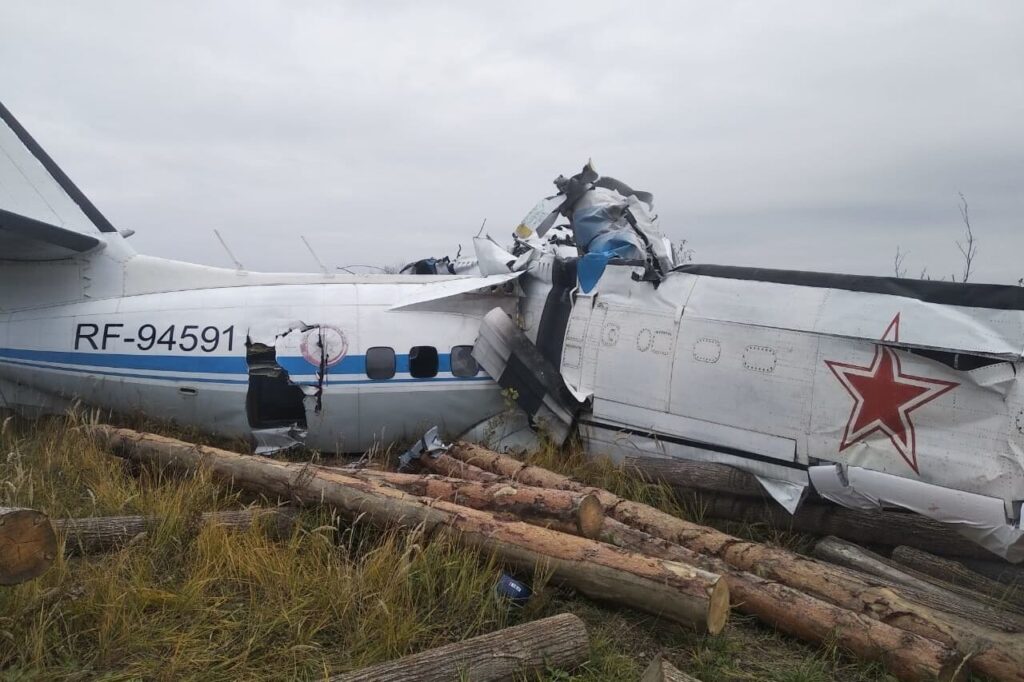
331 340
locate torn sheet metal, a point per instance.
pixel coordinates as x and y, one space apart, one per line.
789 494
432 290
266 332
491 258
429 445
272 441
979 518
308 355
509 431
611 221
507 354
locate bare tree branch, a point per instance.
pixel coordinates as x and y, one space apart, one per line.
968 248
897 263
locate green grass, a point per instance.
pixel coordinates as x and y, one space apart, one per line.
222 605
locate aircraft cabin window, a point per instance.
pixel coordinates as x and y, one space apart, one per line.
380 362
423 362
463 362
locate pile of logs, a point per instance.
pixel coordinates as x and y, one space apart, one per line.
631 554
921 616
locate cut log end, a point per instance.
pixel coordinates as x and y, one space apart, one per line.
718 607
28 545
590 517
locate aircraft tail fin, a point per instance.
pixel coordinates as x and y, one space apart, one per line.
43 215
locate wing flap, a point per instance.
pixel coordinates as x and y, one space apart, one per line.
43 215
26 239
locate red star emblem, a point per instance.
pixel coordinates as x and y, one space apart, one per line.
883 397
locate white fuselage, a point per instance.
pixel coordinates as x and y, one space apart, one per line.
187 354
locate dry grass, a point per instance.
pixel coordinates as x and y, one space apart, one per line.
333 597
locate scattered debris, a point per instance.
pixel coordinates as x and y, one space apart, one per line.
517 592
429 444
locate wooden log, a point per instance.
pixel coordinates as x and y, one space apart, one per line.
884 528
539 506
690 475
661 670
990 652
847 554
526 650
446 465
28 545
682 593
1000 571
93 535
905 655
948 571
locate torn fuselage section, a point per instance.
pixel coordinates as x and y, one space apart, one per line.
874 392
274 406
288 371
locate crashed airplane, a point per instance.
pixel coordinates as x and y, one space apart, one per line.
871 391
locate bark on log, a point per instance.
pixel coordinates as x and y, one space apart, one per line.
885 528
996 654
539 506
661 670
906 655
950 572
917 587
93 535
28 545
529 649
682 593
446 465
1000 571
690 475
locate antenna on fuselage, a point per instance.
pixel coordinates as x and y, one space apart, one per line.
348 268
323 268
230 255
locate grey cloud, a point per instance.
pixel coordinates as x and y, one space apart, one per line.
797 134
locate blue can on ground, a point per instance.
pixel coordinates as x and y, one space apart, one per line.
518 593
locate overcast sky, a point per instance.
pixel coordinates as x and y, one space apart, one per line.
807 135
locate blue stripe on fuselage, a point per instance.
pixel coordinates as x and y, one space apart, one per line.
122 365
204 364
